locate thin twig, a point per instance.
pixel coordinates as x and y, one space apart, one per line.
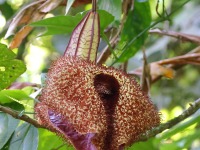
109 45
188 112
107 51
146 77
178 66
181 36
174 63
157 6
151 133
21 117
180 59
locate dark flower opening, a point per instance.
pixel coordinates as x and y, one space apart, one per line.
107 88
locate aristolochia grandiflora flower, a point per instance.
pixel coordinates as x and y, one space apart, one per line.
93 107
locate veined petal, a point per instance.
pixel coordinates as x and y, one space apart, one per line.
85 38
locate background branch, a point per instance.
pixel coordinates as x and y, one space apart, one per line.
151 133
21 117
181 36
188 112
175 63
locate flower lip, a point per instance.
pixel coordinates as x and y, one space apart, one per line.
79 141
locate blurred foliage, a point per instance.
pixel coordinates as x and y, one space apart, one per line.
24 137
113 7
135 23
8 126
66 24
51 141
171 96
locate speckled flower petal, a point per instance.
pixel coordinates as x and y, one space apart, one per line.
99 101
63 128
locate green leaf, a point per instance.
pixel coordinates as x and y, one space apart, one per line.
7 96
69 5
6 10
58 24
184 142
111 6
7 126
143 145
66 24
133 35
15 106
51 141
187 141
5 53
169 146
15 99
10 68
25 138
105 19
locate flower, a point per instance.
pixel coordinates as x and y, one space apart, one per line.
94 107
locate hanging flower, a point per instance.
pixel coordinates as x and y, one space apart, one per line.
93 107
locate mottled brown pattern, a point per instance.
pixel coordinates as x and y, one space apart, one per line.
70 91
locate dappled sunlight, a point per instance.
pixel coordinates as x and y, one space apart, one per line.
16 3
36 60
3 22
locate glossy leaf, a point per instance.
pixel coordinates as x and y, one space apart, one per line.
59 24
137 21
105 19
10 68
7 126
25 138
15 106
66 24
7 96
